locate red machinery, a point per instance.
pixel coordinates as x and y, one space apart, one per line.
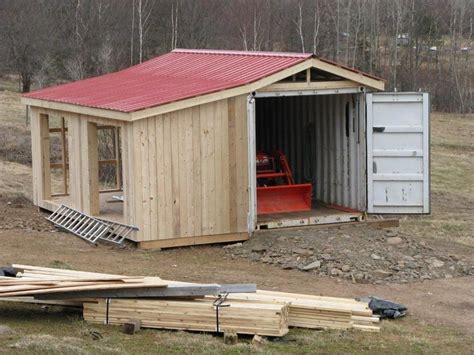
273 196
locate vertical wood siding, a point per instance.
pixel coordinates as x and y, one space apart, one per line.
189 171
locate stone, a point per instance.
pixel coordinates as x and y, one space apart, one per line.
394 240
391 233
230 337
302 251
4 329
288 266
381 273
375 257
259 248
335 272
233 246
359 276
258 340
314 265
437 263
346 268
326 257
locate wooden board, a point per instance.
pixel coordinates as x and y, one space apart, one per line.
203 239
243 318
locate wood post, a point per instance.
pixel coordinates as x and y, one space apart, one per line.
90 168
40 157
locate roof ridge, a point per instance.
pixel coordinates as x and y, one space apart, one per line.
243 53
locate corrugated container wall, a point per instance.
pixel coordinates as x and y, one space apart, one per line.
324 140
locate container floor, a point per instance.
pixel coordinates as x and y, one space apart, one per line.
317 215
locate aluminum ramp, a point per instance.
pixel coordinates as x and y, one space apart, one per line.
90 228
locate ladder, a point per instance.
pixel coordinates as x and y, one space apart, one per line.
117 232
89 228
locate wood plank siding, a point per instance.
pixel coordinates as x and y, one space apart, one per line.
189 172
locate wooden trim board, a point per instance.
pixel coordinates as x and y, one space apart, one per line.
189 241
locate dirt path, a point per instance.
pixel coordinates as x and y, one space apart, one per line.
447 302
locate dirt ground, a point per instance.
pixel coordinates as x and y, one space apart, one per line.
448 302
441 306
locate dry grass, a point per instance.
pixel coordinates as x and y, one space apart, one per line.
66 333
452 179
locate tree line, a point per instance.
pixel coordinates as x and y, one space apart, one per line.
414 44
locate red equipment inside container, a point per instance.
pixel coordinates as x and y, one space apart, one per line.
276 188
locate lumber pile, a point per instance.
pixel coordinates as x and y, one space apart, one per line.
241 317
33 281
163 304
316 312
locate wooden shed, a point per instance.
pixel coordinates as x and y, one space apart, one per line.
183 130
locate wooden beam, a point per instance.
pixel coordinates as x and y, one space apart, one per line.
90 173
187 241
349 74
40 157
316 85
64 154
84 110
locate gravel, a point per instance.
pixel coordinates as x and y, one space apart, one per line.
360 254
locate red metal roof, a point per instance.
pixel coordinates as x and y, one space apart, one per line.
174 76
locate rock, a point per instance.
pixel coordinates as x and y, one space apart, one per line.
314 265
346 268
436 263
4 329
394 240
258 340
288 266
335 272
326 257
391 233
302 251
375 257
232 246
266 259
259 248
381 273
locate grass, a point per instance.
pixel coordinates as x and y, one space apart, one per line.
57 330
54 330
452 182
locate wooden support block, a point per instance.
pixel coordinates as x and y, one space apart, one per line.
131 327
230 337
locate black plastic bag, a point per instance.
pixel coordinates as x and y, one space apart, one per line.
387 309
7 271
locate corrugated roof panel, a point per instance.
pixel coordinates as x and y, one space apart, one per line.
175 76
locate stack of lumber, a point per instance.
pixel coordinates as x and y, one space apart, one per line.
157 303
317 312
33 281
200 315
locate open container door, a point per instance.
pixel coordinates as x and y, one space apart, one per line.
398 137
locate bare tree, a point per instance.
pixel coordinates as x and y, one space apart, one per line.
144 9
174 24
